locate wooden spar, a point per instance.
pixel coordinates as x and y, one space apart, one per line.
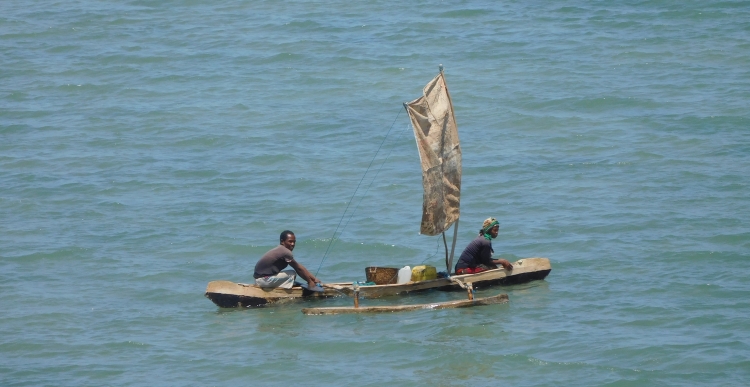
447 263
356 295
468 286
499 299
453 246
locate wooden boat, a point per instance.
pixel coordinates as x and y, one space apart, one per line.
227 294
498 299
436 134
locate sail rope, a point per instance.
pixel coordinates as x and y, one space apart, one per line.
437 250
333 237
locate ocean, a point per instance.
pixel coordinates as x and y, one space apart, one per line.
149 147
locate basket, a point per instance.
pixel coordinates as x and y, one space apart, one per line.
381 275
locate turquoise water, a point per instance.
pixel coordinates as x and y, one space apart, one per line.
148 147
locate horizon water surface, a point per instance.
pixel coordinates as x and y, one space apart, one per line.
149 147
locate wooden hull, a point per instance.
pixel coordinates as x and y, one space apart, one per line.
227 294
498 299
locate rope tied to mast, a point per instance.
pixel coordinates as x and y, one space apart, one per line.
333 237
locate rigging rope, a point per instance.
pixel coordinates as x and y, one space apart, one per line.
333 237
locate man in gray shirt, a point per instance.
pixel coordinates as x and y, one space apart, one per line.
270 273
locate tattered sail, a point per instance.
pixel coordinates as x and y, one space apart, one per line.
440 154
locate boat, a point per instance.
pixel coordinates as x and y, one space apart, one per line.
436 134
228 294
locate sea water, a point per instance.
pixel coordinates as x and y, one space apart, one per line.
149 147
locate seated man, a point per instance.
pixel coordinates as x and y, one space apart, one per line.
270 273
477 257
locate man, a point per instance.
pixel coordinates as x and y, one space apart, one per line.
270 273
477 257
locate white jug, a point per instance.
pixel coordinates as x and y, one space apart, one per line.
404 275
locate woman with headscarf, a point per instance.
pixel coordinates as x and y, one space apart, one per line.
477 257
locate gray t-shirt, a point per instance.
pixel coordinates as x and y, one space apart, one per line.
273 262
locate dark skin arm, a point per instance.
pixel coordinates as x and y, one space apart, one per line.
504 263
486 258
304 273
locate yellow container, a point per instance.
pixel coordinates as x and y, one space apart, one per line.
423 273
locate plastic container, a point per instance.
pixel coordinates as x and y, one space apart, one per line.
404 275
423 273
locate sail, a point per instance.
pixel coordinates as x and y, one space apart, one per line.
440 154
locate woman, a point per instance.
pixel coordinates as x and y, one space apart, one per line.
477 257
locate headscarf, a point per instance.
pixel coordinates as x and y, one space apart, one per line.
488 224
